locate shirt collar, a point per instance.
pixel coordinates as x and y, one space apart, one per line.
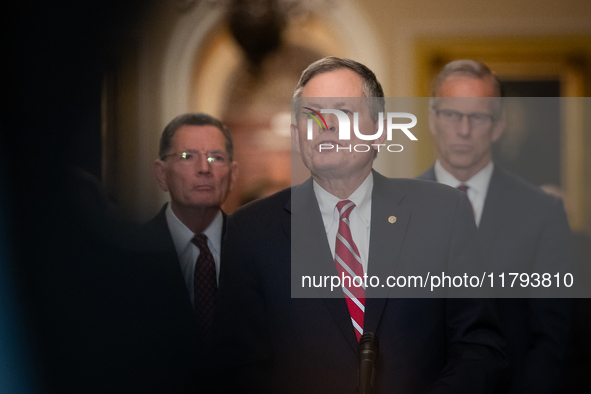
361 197
214 233
182 235
478 183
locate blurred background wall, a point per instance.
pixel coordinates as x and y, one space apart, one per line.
240 60
90 86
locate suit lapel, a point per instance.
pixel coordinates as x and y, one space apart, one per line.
170 269
308 237
225 219
310 248
159 233
286 219
389 221
428 175
495 207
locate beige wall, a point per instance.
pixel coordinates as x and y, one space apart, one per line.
403 34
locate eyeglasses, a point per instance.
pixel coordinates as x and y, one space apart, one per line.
191 157
475 119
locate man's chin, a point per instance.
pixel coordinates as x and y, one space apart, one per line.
325 164
203 203
462 161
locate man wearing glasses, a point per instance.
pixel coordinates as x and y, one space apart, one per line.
522 228
465 119
196 168
179 255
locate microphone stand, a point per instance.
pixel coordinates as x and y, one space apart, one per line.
368 351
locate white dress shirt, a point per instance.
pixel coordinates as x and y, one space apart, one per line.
477 186
188 252
359 219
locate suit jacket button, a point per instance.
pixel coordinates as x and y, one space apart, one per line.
392 219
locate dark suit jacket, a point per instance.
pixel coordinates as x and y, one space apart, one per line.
183 355
525 230
307 345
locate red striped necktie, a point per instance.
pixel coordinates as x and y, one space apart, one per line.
348 263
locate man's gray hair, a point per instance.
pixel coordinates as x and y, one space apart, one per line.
370 85
467 68
193 119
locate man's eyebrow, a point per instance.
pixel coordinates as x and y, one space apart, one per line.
190 150
313 105
350 104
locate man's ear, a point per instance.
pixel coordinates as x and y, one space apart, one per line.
160 171
295 137
498 127
233 174
382 138
432 116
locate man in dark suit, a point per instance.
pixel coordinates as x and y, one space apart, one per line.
175 258
280 343
197 168
522 228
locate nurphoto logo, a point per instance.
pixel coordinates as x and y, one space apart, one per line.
345 129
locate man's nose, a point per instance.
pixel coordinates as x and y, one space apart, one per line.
203 164
464 128
331 123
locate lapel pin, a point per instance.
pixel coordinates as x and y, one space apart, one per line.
392 219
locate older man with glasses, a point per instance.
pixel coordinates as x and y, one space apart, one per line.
196 168
522 228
